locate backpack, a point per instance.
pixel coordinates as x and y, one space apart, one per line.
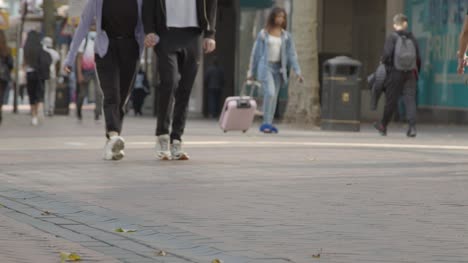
43 66
405 54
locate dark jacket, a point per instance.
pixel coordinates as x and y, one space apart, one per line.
6 67
154 16
389 49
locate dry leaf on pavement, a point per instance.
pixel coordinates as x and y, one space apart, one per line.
162 253
69 257
123 230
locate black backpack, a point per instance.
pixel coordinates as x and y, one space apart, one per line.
43 65
405 53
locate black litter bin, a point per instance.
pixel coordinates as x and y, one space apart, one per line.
341 95
62 97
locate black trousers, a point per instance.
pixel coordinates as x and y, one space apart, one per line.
179 54
116 74
400 83
35 88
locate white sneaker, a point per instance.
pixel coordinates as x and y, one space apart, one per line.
177 152
114 149
35 121
162 148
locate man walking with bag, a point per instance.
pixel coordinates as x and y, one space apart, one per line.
179 30
403 62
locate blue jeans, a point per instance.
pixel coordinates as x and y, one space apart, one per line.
271 87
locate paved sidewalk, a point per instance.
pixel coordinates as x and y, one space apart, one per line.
356 197
22 243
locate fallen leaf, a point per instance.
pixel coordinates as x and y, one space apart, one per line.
69 257
123 230
317 255
162 253
45 213
217 261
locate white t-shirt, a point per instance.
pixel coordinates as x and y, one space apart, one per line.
181 13
274 48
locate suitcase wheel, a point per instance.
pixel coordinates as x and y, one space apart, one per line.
244 131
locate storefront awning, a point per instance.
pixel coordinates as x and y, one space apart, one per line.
256 4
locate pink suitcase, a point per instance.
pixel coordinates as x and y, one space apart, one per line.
239 112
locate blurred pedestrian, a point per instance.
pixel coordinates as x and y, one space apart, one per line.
140 91
274 52
214 82
6 65
403 62
86 74
51 83
37 64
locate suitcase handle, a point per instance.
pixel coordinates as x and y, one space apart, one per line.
255 85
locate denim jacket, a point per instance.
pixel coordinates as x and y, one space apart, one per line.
93 10
259 58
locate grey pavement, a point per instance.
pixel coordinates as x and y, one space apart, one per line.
353 197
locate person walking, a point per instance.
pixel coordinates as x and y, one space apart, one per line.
140 91
181 25
118 47
86 73
274 52
403 62
214 82
6 65
37 65
51 83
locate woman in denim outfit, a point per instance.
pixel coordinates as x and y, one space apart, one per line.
273 54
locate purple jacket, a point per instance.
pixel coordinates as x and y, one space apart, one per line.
93 10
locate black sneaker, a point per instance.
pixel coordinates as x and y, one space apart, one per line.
411 131
380 128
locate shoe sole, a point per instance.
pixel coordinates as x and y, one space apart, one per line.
117 150
163 157
182 157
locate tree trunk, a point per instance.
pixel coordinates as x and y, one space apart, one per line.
49 18
304 103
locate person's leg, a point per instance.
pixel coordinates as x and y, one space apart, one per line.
99 97
138 101
82 93
47 90
168 71
278 80
189 60
32 94
392 94
212 103
409 96
53 91
269 91
40 95
128 64
109 80
2 90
